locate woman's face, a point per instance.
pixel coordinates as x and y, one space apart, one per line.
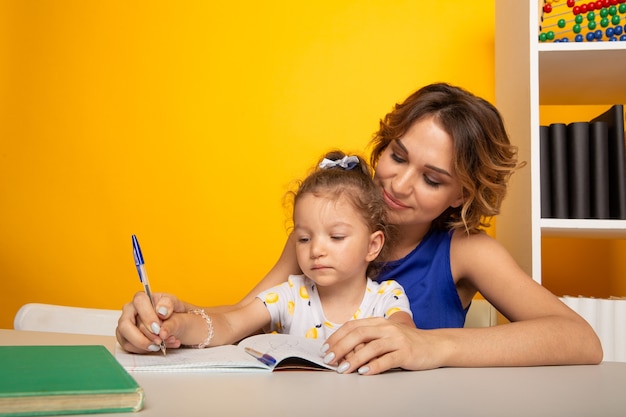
416 175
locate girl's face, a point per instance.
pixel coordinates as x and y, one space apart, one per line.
416 175
333 243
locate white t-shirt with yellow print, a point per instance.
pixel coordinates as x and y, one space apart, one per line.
295 306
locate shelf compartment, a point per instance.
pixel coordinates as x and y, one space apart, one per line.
587 228
582 73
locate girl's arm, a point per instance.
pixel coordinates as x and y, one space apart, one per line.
402 317
217 328
135 327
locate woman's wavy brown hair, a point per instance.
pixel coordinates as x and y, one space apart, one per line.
484 158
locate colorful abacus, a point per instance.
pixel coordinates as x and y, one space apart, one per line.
580 21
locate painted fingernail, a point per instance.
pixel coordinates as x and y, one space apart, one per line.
154 348
363 370
343 367
156 329
162 310
328 358
324 348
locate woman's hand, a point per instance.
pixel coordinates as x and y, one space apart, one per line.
139 325
375 345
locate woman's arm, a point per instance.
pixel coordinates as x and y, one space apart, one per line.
286 265
543 331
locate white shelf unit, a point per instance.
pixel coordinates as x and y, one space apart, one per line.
529 74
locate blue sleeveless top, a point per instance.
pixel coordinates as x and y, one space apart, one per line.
427 280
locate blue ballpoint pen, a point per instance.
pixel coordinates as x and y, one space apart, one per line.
143 276
262 357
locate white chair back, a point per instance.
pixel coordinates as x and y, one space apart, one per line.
481 314
64 319
607 317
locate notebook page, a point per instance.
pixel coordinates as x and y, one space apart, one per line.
218 358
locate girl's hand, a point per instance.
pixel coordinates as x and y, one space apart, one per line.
139 325
374 345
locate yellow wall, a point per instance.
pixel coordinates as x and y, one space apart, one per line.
184 122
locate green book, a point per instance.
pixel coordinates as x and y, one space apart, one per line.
53 380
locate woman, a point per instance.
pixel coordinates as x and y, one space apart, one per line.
442 160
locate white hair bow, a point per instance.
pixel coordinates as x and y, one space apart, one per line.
347 162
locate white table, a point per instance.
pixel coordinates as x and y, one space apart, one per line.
527 391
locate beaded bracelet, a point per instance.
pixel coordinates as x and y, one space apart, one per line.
209 324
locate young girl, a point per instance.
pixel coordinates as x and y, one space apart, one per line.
339 229
442 160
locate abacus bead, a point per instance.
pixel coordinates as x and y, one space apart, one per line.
604 22
617 30
622 38
578 19
606 3
571 3
591 25
576 10
550 35
583 8
613 2
590 36
609 32
604 12
612 10
547 8
615 20
622 8
561 23
591 16
578 38
576 28
543 37
597 34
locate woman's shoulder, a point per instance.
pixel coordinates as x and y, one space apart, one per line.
471 252
474 245
461 237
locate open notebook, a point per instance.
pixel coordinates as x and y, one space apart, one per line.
287 351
